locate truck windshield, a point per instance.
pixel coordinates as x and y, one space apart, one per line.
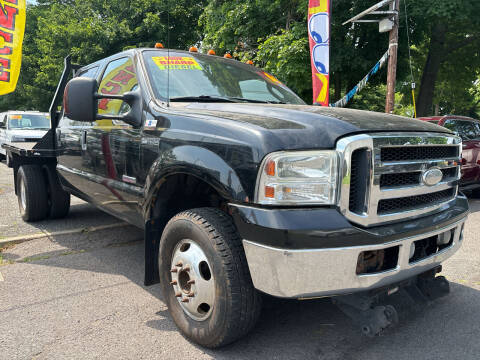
195 77
28 121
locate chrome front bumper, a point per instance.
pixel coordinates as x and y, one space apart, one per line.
333 271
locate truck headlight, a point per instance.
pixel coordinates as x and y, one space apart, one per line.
297 178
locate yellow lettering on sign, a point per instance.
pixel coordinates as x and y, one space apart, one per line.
176 63
12 27
117 81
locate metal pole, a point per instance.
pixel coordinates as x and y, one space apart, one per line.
392 61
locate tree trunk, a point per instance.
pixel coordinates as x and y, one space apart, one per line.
435 57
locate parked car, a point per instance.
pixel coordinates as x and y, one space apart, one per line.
21 126
242 189
469 130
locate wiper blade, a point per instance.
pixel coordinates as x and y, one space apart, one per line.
257 101
203 98
221 99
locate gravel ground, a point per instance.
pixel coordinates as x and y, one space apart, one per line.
81 296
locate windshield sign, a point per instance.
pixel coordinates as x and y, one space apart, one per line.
195 77
28 121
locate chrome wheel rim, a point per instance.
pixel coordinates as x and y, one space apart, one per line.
192 280
23 195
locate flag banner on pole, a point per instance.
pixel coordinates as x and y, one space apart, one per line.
344 101
319 38
12 27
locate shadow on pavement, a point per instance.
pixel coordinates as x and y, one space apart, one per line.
81 216
447 328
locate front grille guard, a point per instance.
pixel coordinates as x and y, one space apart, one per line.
373 143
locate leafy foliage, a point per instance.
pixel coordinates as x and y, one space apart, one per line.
273 33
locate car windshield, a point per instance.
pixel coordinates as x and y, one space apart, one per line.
28 121
195 77
467 130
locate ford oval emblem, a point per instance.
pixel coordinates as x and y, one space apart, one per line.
432 177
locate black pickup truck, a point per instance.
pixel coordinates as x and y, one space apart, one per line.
243 190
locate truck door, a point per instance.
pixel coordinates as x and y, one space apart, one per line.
70 137
113 147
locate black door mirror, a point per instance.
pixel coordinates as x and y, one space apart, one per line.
81 102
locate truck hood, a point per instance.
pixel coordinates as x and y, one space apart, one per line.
303 126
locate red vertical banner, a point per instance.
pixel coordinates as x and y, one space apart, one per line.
319 37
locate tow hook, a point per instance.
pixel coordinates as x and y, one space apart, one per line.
371 319
368 309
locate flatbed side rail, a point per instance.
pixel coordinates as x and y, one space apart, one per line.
28 150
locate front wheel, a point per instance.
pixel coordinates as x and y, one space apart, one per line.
205 278
8 161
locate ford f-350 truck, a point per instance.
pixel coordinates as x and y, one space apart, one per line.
243 189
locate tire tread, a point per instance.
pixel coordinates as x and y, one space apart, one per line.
35 191
245 300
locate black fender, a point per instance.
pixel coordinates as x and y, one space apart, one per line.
199 162
189 160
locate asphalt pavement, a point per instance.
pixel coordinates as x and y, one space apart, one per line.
79 294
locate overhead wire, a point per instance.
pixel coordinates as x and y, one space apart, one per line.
410 59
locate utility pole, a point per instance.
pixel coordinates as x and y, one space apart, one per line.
388 22
393 58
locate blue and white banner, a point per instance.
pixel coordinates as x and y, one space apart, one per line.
344 101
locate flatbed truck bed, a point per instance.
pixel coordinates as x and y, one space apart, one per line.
28 149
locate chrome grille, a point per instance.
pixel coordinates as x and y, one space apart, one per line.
401 153
412 178
386 184
412 202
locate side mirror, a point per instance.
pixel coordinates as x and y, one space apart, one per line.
81 102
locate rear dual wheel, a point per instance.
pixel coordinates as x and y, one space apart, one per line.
40 194
205 278
32 193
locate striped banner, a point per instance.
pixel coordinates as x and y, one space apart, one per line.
344 101
12 27
319 38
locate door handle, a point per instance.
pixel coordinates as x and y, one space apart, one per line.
84 140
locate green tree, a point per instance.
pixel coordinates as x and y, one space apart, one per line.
451 42
444 35
91 30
